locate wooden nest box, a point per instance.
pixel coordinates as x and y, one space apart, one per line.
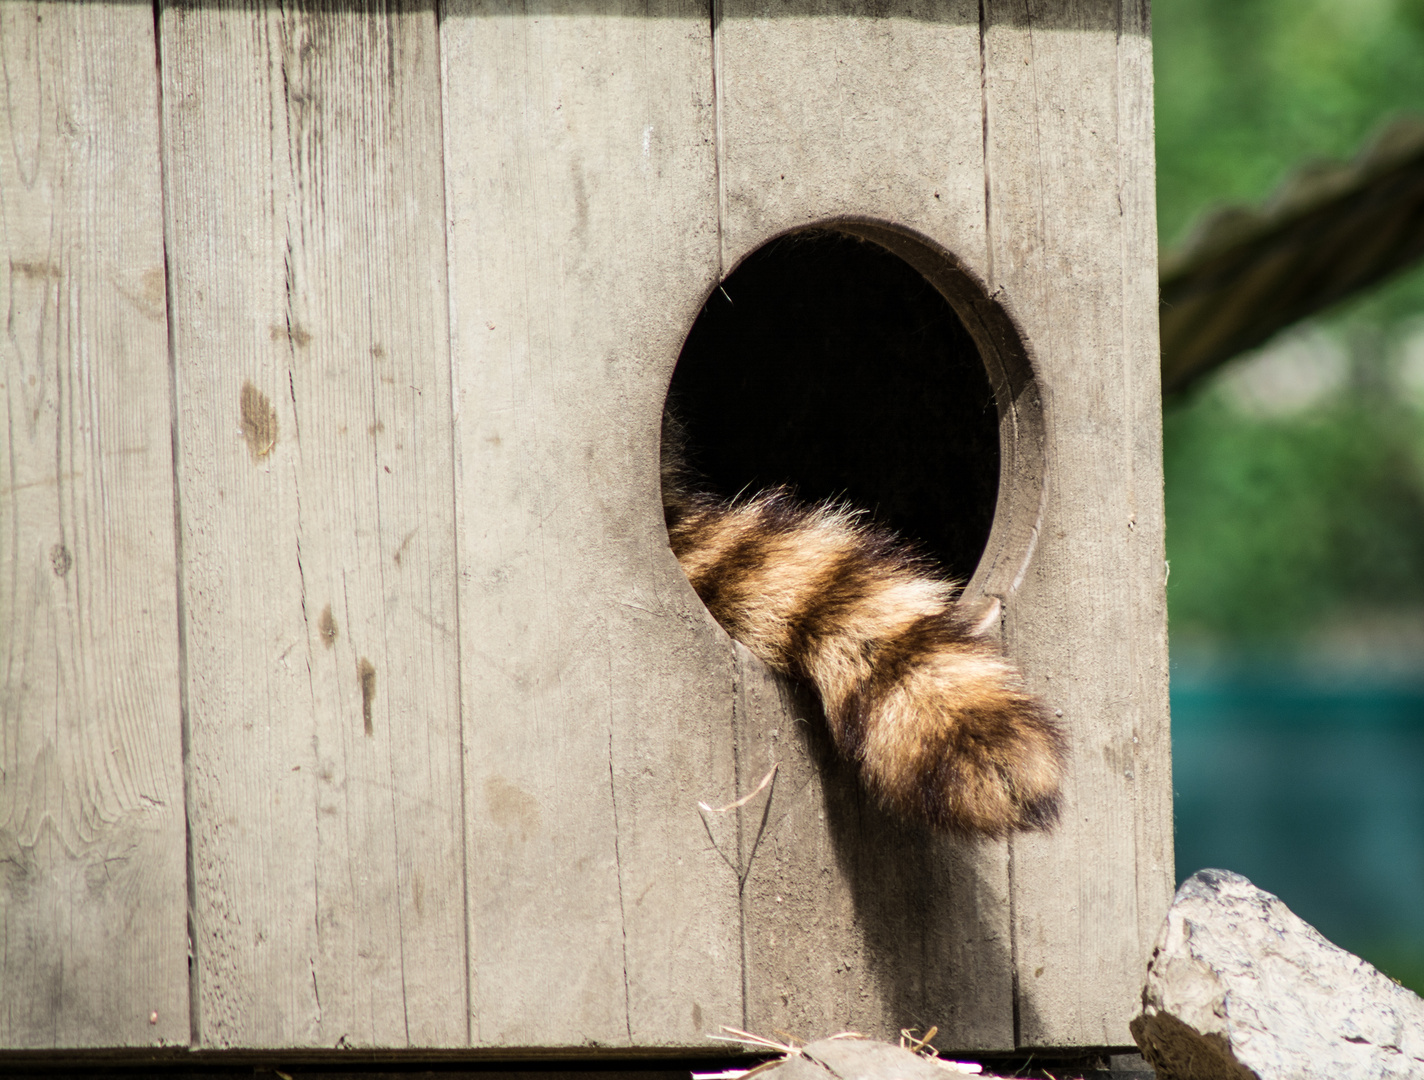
351 695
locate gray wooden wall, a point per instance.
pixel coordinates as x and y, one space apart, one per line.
350 695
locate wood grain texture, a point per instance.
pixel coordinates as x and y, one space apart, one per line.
844 115
851 916
1151 765
1071 236
844 110
305 202
597 691
92 883
422 823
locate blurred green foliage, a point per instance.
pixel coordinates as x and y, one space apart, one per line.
1277 524
1286 522
1247 89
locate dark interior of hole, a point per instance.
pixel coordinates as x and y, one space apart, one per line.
827 363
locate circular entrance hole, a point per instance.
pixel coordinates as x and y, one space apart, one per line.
827 363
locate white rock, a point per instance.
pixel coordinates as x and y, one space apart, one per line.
1240 987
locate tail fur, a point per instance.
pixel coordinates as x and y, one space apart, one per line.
936 719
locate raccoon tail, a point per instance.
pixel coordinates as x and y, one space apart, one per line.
936 719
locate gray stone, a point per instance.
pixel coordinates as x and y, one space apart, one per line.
1241 987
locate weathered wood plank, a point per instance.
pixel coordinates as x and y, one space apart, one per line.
851 916
846 114
316 484
597 692
1151 764
836 109
93 924
1068 123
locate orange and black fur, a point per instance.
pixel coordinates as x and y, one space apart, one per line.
935 718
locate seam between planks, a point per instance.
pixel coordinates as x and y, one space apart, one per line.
718 147
440 67
179 577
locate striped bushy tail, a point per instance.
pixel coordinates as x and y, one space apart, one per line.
935 717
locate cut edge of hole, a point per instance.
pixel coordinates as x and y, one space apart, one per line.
1011 369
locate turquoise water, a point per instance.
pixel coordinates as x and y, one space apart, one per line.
1314 789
